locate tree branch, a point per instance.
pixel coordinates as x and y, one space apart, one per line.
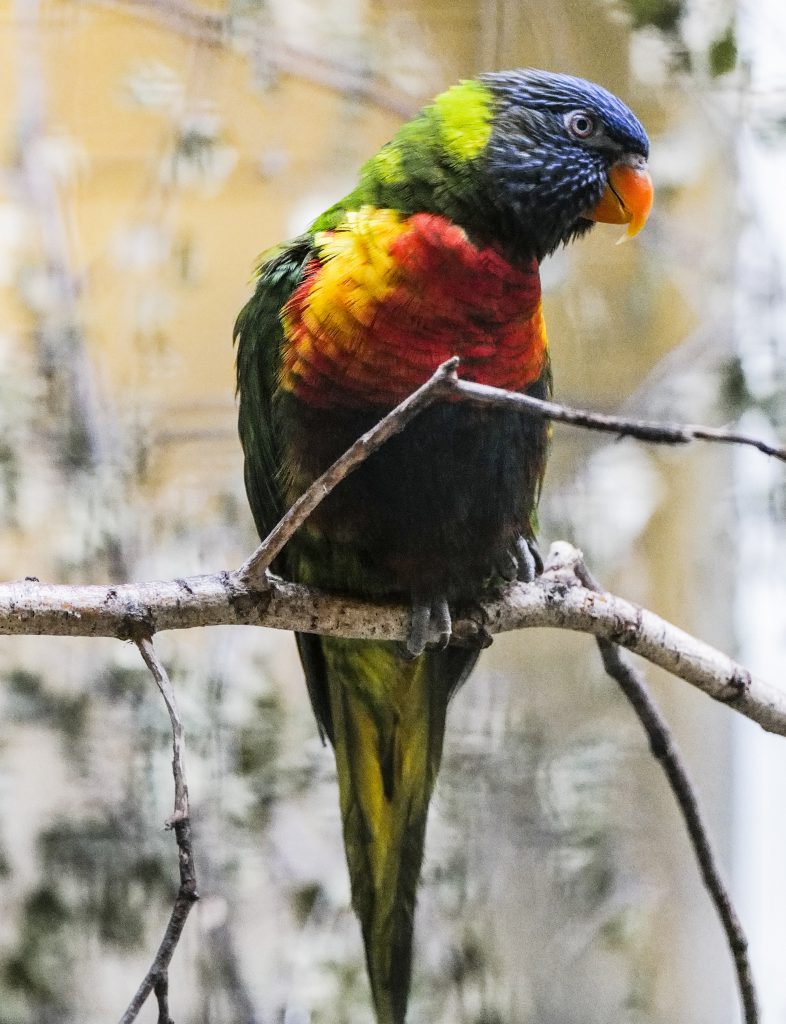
445 383
664 748
157 978
163 682
557 600
441 383
644 430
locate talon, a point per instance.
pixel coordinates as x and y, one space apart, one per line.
418 630
535 552
530 564
441 623
526 561
431 627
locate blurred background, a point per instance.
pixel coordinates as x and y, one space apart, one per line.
150 150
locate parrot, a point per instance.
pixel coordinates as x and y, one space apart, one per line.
434 253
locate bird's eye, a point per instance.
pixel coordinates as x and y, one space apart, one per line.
580 124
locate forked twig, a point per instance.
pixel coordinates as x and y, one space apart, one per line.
157 977
557 599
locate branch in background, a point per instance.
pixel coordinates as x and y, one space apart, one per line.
157 978
666 751
277 55
58 328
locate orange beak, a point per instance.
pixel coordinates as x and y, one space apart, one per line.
628 196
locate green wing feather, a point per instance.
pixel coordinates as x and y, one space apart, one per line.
260 337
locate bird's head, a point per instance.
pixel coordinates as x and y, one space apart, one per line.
526 160
561 154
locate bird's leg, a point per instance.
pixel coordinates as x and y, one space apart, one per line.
429 619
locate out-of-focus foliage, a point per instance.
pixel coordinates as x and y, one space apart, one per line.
668 17
152 151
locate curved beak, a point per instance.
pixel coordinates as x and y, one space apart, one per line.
628 195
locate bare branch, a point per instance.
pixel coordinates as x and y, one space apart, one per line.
643 430
280 57
441 382
157 977
556 600
161 990
159 673
446 383
664 748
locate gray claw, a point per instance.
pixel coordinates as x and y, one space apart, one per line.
528 568
429 620
419 629
441 623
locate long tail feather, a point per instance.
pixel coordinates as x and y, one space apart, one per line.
387 726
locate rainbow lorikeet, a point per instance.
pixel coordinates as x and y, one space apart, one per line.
434 253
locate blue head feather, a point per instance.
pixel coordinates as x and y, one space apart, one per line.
540 177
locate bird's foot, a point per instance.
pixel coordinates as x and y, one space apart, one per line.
522 562
429 620
528 560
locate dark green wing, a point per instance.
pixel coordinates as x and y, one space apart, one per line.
260 336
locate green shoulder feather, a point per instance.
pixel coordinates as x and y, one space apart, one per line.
260 336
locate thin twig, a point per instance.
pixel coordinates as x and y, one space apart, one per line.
445 383
667 753
440 383
164 684
157 977
642 430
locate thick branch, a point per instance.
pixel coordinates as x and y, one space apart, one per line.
556 600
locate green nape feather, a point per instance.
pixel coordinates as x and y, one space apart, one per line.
429 163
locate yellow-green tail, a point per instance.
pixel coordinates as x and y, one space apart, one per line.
386 722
